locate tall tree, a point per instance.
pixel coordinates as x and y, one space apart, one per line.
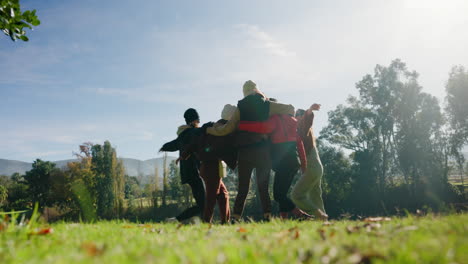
3 195
38 181
175 185
457 110
165 182
156 189
109 180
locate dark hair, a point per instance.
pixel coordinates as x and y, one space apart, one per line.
191 115
300 112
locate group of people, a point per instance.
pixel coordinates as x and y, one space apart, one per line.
259 133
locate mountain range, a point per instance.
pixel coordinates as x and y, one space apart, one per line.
133 167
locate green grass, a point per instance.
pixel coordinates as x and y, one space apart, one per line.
428 239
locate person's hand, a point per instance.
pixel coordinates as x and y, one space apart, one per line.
314 107
206 125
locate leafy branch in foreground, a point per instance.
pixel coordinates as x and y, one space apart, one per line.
13 21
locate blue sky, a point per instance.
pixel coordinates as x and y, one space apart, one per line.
125 71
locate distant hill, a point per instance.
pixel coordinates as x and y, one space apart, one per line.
133 167
8 167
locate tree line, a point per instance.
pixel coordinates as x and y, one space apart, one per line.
94 187
401 144
389 148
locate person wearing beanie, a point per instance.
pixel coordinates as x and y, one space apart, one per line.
227 112
253 148
189 168
285 146
307 193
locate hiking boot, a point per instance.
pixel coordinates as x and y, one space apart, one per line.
301 215
319 214
171 220
194 220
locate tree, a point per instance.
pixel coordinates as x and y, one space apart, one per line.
13 21
110 181
3 195
457 111
337 178
132 187
175 185
393 129
38 181
156 191
165 182
19 197
83 183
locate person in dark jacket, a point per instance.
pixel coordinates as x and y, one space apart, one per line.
253 148
189 168
213 153
285 147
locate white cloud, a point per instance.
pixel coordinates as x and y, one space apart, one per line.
265 41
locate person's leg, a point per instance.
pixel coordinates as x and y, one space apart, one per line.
284 174
209 172
315 192
223 203
198 191
263 167
245 168
308 185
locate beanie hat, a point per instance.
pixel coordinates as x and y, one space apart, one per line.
191 115
228 111
249 88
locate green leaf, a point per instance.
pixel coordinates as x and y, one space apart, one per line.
24 38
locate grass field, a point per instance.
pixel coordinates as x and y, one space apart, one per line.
428 239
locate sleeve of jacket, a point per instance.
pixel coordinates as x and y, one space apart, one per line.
278 109
302 153
305 124
227 128
171 146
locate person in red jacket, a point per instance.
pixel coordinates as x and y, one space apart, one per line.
282 130
253 148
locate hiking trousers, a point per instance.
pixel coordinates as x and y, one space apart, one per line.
198 192
285 165
250 158
216 192
307 193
